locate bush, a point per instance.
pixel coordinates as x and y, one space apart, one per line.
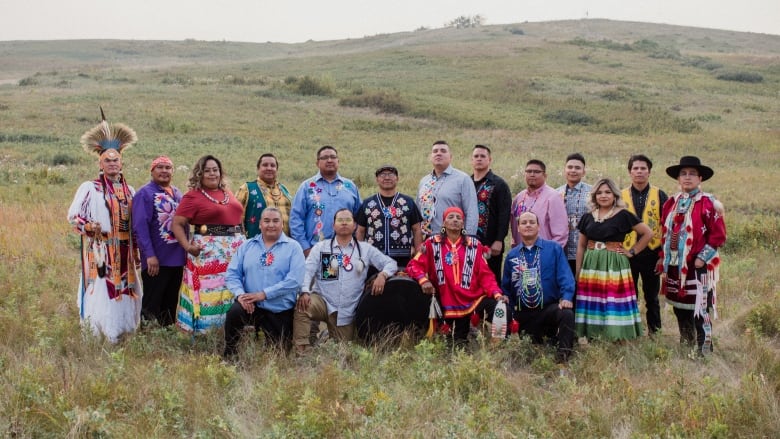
384 101
763 231
570 117
26 138
603 44
63 159
28 81
702 63
165 125
750 77
309 86
616 94
764 319
177 80
516 31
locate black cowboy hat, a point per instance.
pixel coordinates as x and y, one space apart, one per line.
690 161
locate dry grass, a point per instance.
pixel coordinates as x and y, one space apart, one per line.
475 86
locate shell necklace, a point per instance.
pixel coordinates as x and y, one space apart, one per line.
213 200
600 219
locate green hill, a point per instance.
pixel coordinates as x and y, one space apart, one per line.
529 90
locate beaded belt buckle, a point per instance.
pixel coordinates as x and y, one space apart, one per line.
598 245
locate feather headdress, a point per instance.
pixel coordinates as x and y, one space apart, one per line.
104 136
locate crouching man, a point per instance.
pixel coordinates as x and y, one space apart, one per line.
336 271
540 286
265 275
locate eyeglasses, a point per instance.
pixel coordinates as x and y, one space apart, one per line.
386 175
328 157
534 171
344 220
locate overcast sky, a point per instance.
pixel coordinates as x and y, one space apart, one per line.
301 20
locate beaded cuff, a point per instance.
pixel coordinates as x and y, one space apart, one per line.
707 253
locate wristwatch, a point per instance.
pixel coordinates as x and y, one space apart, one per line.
632 252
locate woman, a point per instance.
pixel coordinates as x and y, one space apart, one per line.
216 216
452 263
606 304
693 231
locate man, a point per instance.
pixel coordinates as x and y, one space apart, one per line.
575 197
694 231
337 269
109 294
265 275
445 187
542 200
389 219
319 198
645 201
264 192
494 201
540 287
162 258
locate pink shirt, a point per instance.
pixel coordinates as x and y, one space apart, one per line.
549 207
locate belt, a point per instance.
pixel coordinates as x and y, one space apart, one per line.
216 230
612 246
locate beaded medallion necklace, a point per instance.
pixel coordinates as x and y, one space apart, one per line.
531 294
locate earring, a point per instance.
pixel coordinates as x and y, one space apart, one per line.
463 232
443 231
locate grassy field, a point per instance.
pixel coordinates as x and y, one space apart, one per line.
531 90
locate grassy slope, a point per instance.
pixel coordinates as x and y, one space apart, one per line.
485 85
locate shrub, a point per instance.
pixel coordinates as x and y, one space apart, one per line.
375 126
616 94
165 125
603 44
763 231
177 80
309 86
702 63
26 138
570 117
709 117
63 159
645 45
516 31
384 101
464 21
750 77
764 319
28 81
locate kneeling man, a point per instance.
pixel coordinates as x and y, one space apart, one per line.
337 269
540 286
265 275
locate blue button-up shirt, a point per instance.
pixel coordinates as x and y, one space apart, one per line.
315 204
557 280
281 279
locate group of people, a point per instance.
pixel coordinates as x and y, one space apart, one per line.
283 263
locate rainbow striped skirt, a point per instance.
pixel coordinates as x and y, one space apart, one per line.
606 306
204 299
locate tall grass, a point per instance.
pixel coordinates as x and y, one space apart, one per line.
522 95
